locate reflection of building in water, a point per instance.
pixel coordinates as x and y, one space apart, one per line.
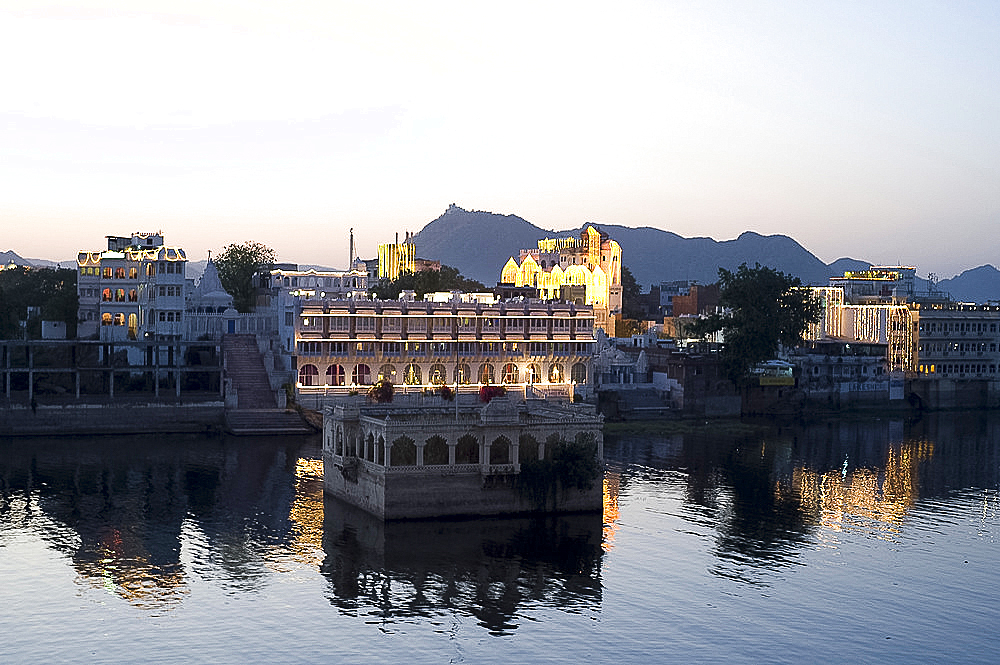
612 485
836 498
493 569
120 509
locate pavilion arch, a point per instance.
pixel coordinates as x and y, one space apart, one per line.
467 450
486 373
556 373
501 450
387 372
403 452
463 374
436 451
527 449
509 373
532 374
578 373
553 441
379 455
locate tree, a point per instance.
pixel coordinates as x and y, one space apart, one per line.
426 281
764 310
631 306
53 290
237 265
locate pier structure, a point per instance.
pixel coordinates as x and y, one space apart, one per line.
418 460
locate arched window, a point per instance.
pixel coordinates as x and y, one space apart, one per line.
133 273
106 319
527 449
119 273
436 451
308 375
133 295
467 450
438 374
463 374
556 374
387 372
509 374
403 452
486 373
533 374
579 373
500 450
362 375
335 375
119 295
106 295
133 326
119 318
412 375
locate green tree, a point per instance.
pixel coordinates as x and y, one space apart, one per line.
764 310
52 290
426 281
237 265
631 293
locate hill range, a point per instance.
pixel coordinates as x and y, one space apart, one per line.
479 243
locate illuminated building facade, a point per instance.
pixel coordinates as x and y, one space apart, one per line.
958 340
397 258
133 290
465 341
877 284
592 261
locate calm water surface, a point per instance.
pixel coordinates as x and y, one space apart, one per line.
845 542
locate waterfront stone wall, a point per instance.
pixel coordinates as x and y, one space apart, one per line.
65 419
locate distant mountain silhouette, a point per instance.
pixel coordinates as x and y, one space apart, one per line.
10 256
479 243
978 285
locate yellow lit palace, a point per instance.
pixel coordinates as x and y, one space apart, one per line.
592 263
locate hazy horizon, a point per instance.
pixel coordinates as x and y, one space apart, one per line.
860 130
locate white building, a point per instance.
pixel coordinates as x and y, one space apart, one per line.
133 290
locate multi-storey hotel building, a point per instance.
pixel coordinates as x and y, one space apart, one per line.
958 340
462 341
133 290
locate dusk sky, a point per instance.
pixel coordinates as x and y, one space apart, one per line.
864 129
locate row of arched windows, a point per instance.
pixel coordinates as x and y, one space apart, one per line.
413 375
403 450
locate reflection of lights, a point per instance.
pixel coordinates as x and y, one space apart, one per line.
612 484
306 512
838 499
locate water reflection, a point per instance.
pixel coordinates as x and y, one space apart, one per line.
765 495
136 516
492 569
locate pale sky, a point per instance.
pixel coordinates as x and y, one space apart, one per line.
865 129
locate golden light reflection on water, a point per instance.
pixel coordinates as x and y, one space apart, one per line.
120 565
612 484
306 513
838 500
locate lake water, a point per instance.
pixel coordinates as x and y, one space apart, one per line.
867 541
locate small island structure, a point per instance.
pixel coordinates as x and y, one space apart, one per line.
426 458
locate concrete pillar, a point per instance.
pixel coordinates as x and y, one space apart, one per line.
420 454
451 452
